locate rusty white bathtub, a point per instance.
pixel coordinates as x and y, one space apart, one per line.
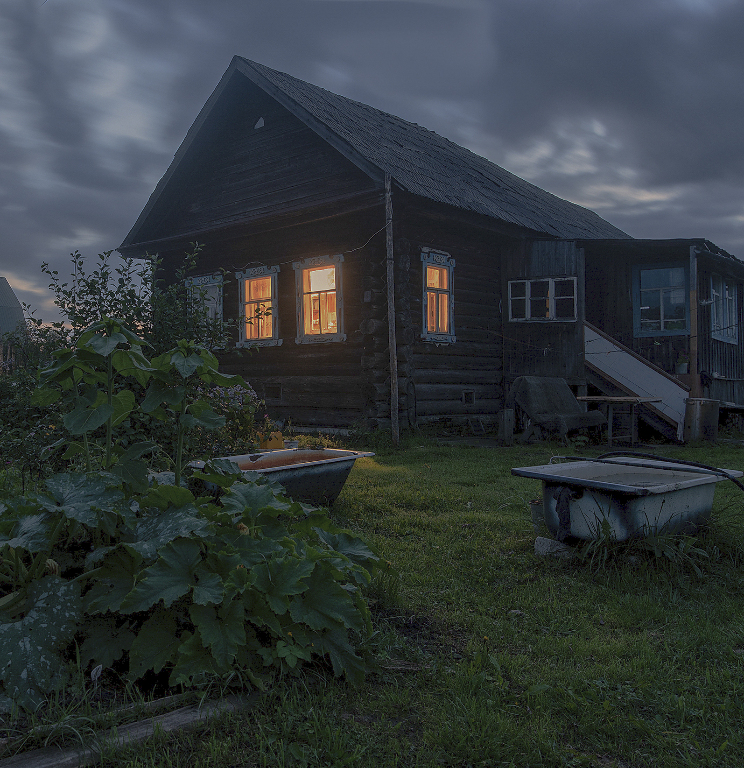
635 496
312 475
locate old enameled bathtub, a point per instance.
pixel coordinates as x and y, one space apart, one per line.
315 476
636 496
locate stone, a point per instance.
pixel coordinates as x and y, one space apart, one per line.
550 547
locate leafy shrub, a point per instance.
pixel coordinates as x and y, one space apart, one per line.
148 572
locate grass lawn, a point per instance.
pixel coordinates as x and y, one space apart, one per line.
490 656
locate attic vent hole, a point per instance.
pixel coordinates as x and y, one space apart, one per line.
259 123
468 397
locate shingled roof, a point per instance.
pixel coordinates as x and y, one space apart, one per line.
418 160
426 164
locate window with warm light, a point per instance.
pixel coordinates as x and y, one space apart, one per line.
319 305
258 307
438 301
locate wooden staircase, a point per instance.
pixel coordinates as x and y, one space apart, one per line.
615 369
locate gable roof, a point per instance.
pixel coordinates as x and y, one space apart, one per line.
418 160
11 312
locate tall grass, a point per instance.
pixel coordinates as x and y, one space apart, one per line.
490 656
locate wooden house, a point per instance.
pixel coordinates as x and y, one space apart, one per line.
406 279
11 321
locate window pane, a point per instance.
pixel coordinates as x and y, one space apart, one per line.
519 309
323 279
564 288
565 308
436 277
443 313
259 288
665 277
431 312
539 307
539 288
518 289
650 310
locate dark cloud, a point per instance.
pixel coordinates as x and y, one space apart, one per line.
632 108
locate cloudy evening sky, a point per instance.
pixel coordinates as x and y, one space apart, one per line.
634 108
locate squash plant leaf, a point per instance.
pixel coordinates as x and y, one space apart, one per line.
349 546
31 533
222 630
114 580
29 647
79 497
281 577
326 605
341 653
155 646
209 589
105 642
157 530
194 661
168 579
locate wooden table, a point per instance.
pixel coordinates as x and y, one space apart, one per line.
611 402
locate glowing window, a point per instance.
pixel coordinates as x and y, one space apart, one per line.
438 300
319 305
258 307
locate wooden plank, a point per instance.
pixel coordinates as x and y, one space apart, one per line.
126 735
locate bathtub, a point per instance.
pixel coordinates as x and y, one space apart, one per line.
635 496
312 475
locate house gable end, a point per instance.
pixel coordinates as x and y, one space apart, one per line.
246 157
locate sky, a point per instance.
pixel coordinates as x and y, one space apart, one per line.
633 108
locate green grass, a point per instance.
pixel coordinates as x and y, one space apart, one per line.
492 657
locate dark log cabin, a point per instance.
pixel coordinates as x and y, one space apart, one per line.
408 279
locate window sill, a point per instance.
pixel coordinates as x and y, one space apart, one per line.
259 343
320 338
724 339
438 338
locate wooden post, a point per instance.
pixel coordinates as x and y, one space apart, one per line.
694 371
393 349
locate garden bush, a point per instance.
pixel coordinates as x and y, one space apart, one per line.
153 573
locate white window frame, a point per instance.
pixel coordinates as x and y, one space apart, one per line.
198 288
551 299
252 274
724 309
316 262
431 257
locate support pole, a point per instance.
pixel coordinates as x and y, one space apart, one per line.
694 367
392 345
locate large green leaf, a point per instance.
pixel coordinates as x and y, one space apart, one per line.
341 653
133 472
114 580
123 402
250 498
349 546
104 345
186 365
326 604
85 419
222 630
132 363
207 419
31 533
281 578
155 646
105 641
160 392
209 589
30 663
155 531
168 579
79 496
194 663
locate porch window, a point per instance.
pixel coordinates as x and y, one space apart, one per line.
258 307
205 297
319 299
723 310
660 301
438 297
545 298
